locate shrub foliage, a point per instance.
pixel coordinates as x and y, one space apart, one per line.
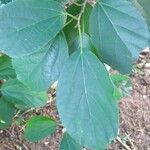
69 41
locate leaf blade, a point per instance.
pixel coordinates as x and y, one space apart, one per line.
29 25
6 69
41 69
17 93
39 127
81 96
68 143
7 111
116 40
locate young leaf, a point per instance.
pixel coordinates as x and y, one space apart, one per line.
7 112
39 127
6 69
123 83
68 143
119 33
117 94
85 101
42 68
28 25
17 93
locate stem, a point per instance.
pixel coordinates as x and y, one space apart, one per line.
68 22
80 37
74 17
77 4
123 144
79 25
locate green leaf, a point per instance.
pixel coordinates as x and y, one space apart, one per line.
86 43
42 68
85 101
26 26
17 93
64 2
68 143
144 7
6 69
39 127
117 94
5 1
119 33
123 83
85 18
7 112
145 4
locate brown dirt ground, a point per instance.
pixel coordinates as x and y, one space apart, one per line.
135 110
134 121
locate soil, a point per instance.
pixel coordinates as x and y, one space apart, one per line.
135 110
134 132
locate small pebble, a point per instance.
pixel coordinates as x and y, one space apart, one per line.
147 65
46 143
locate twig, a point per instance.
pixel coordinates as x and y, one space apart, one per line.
77 4
81 13
74 17
130 141
68 22
123 144
79 25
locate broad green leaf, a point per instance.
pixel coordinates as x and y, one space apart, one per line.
5 1
145 8
64 2
85 101
6 69
22 107
7 112
68 143
123 83
17 93
145 4
119 33
42 68
39 127
26 26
